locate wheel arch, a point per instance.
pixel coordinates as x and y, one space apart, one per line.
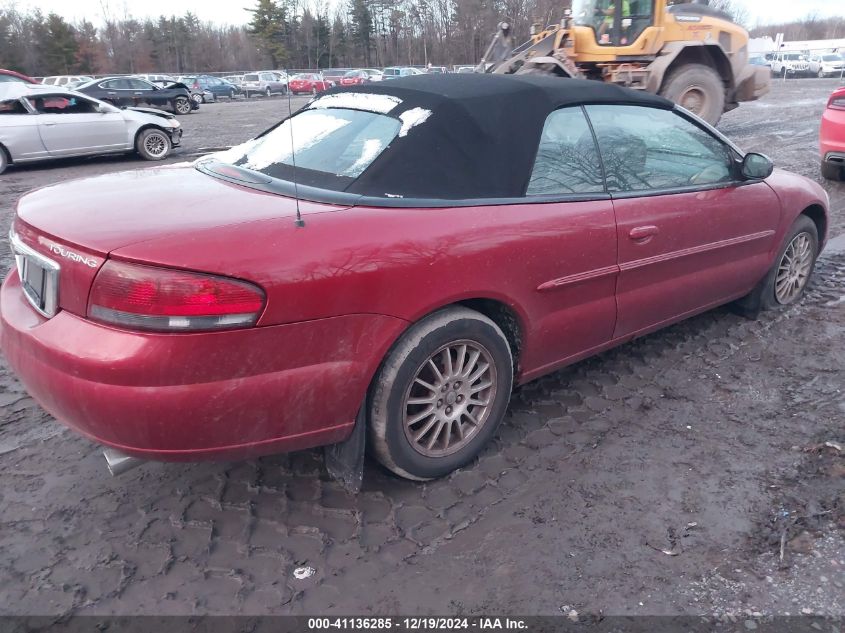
7 154
678 54
147 126
817 214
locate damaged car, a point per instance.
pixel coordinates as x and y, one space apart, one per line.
125 92
42 122
381 268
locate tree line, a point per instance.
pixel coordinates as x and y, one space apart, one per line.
296 34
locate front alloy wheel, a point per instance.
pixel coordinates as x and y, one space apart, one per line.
440 394
794 268
182 105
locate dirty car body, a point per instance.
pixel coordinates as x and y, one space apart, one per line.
548 232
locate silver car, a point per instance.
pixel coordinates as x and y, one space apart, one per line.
44 122
263 82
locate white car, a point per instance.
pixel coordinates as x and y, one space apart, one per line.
791 64
827 65
159 80
64 80
42 122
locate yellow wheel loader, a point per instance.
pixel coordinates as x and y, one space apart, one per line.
690 53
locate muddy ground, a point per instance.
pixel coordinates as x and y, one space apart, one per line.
664 477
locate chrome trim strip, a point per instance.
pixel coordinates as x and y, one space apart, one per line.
51 276
694 250
578 277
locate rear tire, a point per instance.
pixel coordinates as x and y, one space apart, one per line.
4 159
459 402
832 171
182 105
699 89
269 93
153 144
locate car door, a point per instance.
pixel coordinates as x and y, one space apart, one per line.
691 233
73 125
19 131
117 92
144 92
570 230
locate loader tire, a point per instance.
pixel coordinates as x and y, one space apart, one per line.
699 89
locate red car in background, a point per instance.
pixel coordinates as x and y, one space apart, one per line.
11 75
308 83
832 137
356 78
390 260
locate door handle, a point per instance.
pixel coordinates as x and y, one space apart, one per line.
48 123
643 233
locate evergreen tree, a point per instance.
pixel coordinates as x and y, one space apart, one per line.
268 26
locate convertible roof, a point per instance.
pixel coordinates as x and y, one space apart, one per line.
470 135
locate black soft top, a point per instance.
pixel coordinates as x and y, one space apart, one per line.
482 135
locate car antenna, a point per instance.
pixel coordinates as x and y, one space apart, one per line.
299 221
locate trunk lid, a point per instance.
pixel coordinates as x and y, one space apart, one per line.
77 224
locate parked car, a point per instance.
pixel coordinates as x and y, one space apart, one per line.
64 80
130 91
159 80
332 76
235 80
263 83
355 78
791 64
832 137
394 72
10 76
308 83
437 70
827 65
465 69
38 124
334 325
374 74
215 86
759 60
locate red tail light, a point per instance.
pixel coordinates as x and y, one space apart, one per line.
837 102
148 298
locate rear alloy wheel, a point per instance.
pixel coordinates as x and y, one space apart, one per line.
232 94
268 92
699 89
153 144
197 98
440 394
820 74
182 105
313 90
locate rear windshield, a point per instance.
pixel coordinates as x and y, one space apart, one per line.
250 77
333 146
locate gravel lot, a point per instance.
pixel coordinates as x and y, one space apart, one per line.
663 477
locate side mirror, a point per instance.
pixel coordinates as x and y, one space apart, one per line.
757 166
103 108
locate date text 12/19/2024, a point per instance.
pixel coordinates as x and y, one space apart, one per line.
417 624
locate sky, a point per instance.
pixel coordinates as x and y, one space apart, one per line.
232 11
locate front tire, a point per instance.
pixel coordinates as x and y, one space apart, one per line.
4 159
153 144
789 276
440 394
699 89
269 93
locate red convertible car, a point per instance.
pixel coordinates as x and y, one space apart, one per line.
308 83
832 136
391 259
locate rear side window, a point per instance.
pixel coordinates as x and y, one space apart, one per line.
567 159
12 106
651 149
332 146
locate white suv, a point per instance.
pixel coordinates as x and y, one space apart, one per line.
793 64
827 65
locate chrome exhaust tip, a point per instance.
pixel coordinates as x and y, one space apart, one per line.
118 463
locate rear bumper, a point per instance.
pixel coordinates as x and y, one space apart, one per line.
832 134
184 397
